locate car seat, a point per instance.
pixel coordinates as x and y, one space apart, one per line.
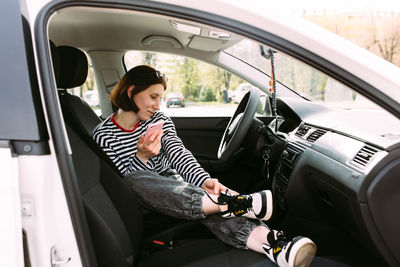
113 215
81 117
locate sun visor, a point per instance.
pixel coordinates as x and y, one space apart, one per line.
206 44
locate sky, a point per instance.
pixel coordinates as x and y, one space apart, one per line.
297 6
341 5
332 6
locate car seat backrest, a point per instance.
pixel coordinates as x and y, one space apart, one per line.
73 70
76 112
112 211
80 111
114 216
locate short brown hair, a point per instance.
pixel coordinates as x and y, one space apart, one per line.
142 77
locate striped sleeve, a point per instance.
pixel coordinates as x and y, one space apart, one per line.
137 164
121 147
103 140
180 158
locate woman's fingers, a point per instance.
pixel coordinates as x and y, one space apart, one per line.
141 139
217 187
153 142
155 137
214 186
221 188
232 192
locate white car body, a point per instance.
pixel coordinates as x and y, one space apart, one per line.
32 192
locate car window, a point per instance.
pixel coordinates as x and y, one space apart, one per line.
301 78
194 88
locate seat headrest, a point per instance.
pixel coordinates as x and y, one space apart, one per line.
73 67
55 59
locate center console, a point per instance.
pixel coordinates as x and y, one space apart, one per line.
283 172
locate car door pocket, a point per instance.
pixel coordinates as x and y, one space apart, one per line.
325 198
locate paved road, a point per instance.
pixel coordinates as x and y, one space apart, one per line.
200 111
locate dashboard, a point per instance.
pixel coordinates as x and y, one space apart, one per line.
342 168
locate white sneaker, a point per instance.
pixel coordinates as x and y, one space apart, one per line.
298 252
255 206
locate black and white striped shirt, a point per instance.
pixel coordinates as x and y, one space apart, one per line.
120 145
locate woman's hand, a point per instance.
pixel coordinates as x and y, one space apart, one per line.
149 148
213 186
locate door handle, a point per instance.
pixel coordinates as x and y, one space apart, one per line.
55 260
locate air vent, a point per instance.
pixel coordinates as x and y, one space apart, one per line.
303 130
315 135
365 155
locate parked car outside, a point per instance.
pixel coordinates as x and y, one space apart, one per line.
92 98
175 99
240 91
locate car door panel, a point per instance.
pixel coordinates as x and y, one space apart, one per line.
201 135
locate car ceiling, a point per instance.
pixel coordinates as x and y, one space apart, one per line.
101 29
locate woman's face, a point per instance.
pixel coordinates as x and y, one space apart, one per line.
148 101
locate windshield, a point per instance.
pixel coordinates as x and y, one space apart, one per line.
301 78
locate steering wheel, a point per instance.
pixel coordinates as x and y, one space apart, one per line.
239 124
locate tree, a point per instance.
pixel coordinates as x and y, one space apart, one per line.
385 36
89 83
377 32
191 78
215 80
223 80
227 79
150 58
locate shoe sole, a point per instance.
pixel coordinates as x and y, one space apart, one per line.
305 254
270 206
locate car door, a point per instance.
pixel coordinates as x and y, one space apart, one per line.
21 137
36 227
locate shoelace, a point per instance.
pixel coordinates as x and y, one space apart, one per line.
236 203
280 241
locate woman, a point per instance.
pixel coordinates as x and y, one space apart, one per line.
149 164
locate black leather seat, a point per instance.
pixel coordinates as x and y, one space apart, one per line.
114 217
73 70
80 116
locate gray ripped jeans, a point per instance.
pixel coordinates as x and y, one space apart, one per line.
180 199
